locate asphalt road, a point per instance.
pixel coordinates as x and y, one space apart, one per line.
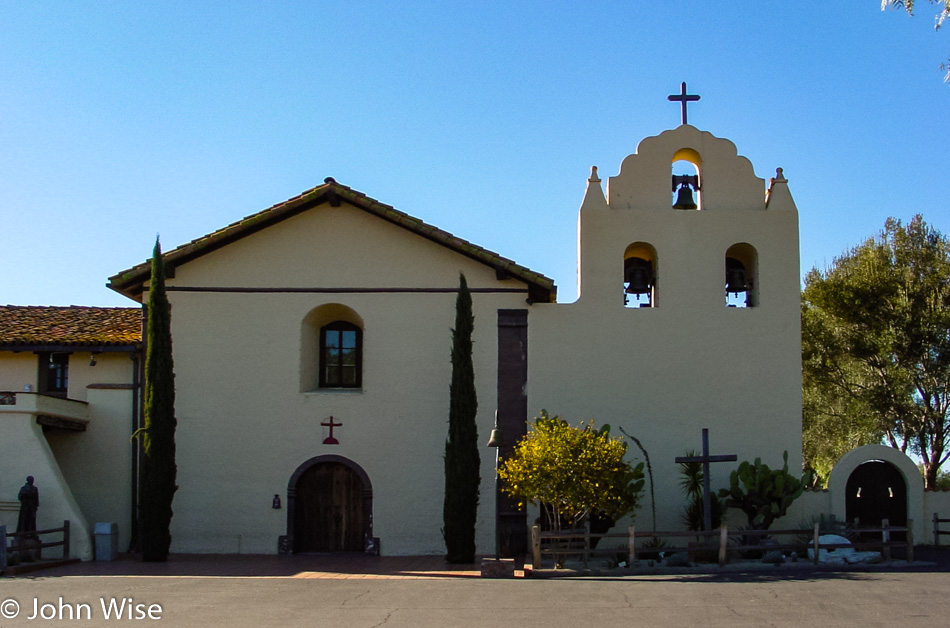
917 598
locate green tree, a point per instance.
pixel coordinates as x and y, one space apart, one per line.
876 348
763 494
158 434
462 478
943 13
572 471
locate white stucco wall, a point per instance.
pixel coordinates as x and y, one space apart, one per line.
97 462
244 426
935 502
23 447
17 371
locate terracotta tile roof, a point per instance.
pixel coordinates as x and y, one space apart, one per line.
131 282
73 325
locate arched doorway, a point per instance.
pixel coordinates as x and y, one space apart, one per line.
875 491
913 481
330 507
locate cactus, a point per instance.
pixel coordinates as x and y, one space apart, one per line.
763 494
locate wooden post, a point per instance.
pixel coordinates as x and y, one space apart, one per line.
936 530
886 538
536 547
910 540
586 542
723 541
631 547
66 539
815 560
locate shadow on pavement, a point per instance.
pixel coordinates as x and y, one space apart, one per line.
256 566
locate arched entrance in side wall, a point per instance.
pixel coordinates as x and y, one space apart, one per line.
330 507
875 491
880 472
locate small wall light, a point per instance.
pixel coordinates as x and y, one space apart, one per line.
276 503
92 359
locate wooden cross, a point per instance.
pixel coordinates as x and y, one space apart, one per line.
683 98
329 440
706 459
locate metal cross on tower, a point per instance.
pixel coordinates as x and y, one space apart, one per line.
683 98
706 459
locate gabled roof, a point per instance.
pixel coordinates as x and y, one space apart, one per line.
131 282
73 326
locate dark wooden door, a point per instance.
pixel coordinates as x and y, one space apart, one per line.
876 490
329 514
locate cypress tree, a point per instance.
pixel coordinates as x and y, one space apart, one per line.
158 434
462 478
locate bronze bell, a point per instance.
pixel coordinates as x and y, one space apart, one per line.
684 198
638 275
495 439
735 276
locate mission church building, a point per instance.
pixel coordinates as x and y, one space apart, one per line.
312 357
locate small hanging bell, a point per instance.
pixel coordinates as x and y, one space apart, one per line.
638 275
684 198
495 439
735 276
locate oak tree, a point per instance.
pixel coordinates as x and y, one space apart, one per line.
876 348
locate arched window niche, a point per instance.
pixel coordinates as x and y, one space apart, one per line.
687 179
741 268
331 349
639 275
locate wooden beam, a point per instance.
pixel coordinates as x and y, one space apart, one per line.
56 422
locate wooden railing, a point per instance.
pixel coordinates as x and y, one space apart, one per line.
24 542
937 531
549 544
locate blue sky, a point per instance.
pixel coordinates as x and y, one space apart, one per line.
120 120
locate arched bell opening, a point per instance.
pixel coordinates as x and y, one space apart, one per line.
741 288
686 179
639 276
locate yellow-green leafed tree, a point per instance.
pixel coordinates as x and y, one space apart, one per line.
572 472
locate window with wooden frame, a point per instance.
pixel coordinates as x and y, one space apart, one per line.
341 355
53 377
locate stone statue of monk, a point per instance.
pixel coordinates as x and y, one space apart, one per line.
29 501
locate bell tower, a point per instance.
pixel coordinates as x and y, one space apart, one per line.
688 314
687 239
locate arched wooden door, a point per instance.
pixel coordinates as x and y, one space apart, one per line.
329 513
876 490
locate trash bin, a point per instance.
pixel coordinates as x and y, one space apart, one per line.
107 541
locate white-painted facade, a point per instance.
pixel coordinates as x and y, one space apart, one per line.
249 303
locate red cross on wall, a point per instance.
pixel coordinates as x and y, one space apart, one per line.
329 440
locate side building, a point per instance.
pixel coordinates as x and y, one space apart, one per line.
69 399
